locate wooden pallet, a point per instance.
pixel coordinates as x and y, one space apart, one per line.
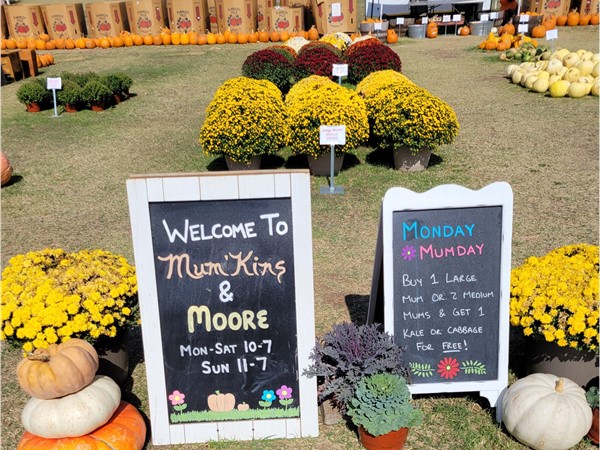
11 64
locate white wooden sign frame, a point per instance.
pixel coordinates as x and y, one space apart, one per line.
447 197
293 184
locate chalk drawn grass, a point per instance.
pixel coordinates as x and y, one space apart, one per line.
218 416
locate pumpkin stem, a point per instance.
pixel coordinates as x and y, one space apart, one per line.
559 385
38 357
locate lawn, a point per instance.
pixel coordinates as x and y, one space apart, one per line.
69 191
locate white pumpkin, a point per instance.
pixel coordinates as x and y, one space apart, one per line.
75 414
546 412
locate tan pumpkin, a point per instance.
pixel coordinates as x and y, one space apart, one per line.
243 406
74 414
126 430
58 370
546 412
5 169
221 402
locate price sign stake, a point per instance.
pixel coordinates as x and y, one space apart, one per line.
332 135
54 84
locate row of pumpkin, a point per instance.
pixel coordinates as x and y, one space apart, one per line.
71 405
166 37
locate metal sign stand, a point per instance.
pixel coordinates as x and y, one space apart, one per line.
332 189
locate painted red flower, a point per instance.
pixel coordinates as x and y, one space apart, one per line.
448 368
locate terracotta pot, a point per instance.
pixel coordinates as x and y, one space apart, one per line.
394 440
566 362
321 166
593 433
254 164
71 108
101 106
114 357
33 107
406 161
116 98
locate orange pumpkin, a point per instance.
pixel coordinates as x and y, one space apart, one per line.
464 31
221 402
148 39
274 36
584 19
539 31
126 429
60 43
501 46
40 44
211 38
549 22
594 19
284 36
90 43
175 38
193 37
432 30
117 41
11 44
392 38
104 42
561 21
263 36
202 39
242 38
231 38
573 18
138 40
184 39
313 34
157 39
166 38
509 28
44 37
69 44
491 45
5 169
253 38
221 39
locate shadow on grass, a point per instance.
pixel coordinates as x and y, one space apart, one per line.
358 307
385 158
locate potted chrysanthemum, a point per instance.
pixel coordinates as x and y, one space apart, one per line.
554 300
245 120
51 296
406 118
316 101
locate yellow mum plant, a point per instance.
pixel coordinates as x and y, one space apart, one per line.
555 297
51 296
245 118
316 101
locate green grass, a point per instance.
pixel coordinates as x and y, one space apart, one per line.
70 172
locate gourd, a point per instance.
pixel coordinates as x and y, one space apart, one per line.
126 429
75 414
546 412
221 402
5 169
58 370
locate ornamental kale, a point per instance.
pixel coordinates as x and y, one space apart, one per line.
350 352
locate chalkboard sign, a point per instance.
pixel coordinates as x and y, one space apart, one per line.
446 279
225 279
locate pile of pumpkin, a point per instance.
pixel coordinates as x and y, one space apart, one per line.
71 406
561 73
506 40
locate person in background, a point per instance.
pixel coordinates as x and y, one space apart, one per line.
509 9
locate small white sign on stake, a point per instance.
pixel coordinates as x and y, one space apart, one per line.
524 18
456 18
523 28
485 17
340 70
552 34
424 20
446 18
332 135
493 16
377 26
400 21
54 84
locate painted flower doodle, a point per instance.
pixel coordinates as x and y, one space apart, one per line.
409 253
285 396
267 398
177 400
448 368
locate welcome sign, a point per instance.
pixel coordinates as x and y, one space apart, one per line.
445 276
226 297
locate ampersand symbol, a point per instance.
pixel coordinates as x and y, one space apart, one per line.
442 313
225 296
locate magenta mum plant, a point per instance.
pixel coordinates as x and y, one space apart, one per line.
371 58
270 64
318 60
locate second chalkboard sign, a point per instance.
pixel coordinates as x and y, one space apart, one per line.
444 258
